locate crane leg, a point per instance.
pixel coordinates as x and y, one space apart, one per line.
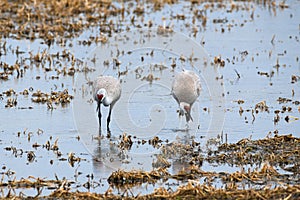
108 120
99 117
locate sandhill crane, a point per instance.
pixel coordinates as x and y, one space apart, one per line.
186 89
106 91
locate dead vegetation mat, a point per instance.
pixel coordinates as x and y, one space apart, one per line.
276 176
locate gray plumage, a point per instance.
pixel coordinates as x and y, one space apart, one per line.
186 89
106 91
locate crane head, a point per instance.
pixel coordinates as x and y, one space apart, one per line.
101 94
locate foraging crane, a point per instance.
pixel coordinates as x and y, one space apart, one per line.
186 89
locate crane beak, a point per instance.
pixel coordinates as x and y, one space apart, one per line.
98 106
188 113
188 116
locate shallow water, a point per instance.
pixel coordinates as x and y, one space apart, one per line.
147 109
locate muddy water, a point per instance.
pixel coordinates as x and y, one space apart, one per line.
260 47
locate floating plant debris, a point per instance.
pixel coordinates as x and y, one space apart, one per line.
191 190
271 156
278 151
262 107
60 97
219 61
121 178
125 142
